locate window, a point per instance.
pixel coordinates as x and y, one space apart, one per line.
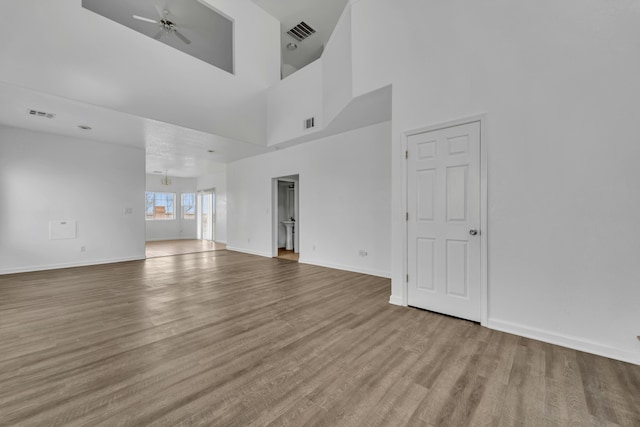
188 205
159 205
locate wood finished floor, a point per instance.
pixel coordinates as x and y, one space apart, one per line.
180 247
228 339
290 255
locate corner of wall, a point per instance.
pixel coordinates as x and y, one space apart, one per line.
396 300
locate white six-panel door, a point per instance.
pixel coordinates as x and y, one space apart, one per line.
443 197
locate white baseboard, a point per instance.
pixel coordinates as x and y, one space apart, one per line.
565 341
31 268
183 238
368 271
164 239
395 300
249 251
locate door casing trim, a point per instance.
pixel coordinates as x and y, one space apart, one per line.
484 220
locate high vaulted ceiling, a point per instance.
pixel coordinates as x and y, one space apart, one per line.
134 90
130 89
188 26
186 152
321 15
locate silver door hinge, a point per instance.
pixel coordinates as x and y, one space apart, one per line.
407 216
407 278
406 154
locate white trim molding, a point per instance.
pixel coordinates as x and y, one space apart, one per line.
29 269
396 300
249 251
371 272
574 343
484 210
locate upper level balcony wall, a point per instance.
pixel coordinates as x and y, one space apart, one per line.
256 39
292 101
321 90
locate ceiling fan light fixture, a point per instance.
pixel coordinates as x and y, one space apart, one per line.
166 25
165 179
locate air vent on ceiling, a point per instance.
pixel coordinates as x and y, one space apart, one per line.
41 114
301 31
310 123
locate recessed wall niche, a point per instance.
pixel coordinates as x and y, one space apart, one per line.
187 25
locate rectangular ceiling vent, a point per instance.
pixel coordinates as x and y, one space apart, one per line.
41 114
310 123
301 31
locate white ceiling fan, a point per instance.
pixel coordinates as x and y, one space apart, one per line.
166 25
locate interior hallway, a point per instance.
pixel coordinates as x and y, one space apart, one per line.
285 254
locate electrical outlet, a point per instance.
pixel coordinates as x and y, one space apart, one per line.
83 249
314 248
128 211
362 252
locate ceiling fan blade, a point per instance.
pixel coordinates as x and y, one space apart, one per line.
182 37
159 35
161 11
142 18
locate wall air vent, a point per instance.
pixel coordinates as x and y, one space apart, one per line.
41 114
310 123
301 31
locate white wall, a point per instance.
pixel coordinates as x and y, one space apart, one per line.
256 40
45 177
217 180
336 69
374 54
344 200
558 81
171 229
293 100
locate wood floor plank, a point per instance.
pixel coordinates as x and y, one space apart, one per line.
227 339
161 248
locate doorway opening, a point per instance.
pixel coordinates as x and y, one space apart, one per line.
206 215
286 220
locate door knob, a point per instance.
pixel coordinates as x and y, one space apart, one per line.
473 231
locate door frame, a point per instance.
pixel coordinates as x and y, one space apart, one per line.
484 220
199 203
275 223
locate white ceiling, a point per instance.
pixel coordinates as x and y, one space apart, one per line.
321 15
183 152
133 90
97 61
210 34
